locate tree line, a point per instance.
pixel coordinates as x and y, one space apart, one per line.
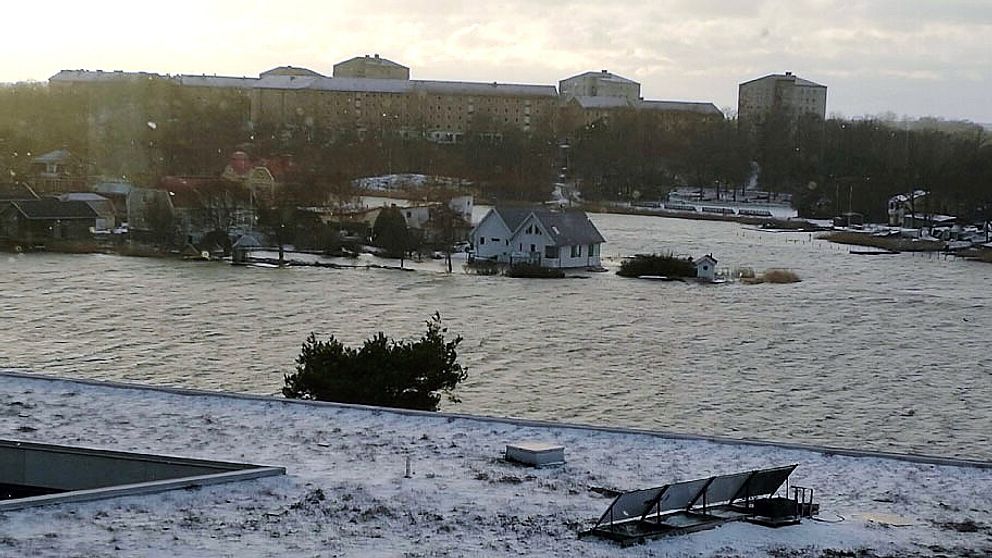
143 130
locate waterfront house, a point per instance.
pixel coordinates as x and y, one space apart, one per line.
102 206
706 267
46 219
548 237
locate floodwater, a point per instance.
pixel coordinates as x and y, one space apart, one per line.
872 352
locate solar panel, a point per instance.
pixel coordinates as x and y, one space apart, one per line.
766 481
723 489
631 505
680 496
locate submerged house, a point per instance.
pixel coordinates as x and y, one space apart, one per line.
550 238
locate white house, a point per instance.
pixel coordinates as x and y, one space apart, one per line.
706 267
551 238
906 204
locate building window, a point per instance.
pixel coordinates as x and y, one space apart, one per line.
551 252
575 251
495 241
482 240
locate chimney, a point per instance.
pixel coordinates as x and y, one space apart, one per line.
604 71
377 56
788 73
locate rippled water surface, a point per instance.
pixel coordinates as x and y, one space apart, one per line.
886 352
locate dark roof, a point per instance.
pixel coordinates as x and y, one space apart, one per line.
14 192
51 208
566 227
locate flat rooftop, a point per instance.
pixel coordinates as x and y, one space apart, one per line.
344 492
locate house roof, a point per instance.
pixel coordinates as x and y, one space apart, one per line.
57 156
51 208
13 192
703 259
567 228
113 188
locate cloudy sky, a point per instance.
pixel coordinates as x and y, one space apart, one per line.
908 57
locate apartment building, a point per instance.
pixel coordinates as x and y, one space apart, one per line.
785 94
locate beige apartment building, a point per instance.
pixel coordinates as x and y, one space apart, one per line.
785 94
370 95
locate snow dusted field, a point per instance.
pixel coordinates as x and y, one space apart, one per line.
345 493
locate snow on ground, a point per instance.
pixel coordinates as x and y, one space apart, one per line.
345 493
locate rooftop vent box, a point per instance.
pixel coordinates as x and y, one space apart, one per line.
535 454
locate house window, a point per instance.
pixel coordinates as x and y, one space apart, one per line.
575 251
495 241
551 252
482 240
533 248
594 249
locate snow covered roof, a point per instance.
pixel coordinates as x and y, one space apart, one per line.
346 492
917 194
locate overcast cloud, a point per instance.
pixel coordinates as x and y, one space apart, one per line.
913 57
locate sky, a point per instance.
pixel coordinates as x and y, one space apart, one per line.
905 57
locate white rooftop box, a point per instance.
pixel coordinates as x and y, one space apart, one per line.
537 454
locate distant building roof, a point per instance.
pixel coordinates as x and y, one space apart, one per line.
787 76
567 228
368 59
51 208
383 85
602 75
290 71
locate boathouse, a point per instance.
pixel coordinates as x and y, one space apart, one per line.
706 267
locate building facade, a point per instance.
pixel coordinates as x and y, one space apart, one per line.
365 96
784 94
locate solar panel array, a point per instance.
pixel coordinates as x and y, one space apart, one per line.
693 494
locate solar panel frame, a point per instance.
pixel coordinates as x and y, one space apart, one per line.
765 482
680 496
631 505
723 489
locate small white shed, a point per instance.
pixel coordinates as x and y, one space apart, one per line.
706 267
